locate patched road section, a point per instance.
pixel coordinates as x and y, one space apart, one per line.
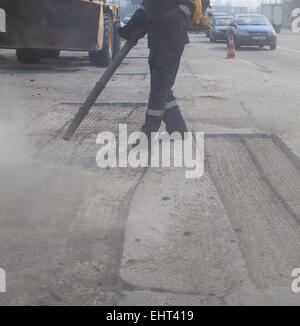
47 130
62 217
232 237
258 181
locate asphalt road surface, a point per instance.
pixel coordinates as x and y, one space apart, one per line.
74 234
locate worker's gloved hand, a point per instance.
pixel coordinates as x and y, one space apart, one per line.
205 4
126 31
157 22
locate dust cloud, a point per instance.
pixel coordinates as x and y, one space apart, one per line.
15 152
27 185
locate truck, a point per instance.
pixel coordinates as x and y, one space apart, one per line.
40 29
201 20
274 13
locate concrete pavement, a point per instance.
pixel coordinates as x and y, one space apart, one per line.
74 234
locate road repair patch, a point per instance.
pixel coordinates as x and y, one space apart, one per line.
258 180
129 76
46 131
231 237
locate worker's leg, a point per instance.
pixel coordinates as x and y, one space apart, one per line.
164 64
172 116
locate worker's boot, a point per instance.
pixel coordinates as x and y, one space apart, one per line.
174 121
151 125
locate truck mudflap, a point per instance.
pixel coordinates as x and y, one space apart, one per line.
53 24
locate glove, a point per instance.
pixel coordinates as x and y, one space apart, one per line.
126 31
206 5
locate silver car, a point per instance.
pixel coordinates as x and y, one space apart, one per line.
218 28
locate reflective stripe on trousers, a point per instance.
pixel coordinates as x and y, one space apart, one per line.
159 113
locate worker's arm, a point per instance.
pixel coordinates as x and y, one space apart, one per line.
205 5
187 6
137 20
139 17
185 9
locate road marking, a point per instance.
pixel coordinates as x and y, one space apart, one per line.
248 62
287 49
243 60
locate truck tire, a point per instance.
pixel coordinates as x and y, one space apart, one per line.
52 54
116 37
29 55
103 57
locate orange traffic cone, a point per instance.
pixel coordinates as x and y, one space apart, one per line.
231 48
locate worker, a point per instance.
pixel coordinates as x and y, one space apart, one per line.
166 24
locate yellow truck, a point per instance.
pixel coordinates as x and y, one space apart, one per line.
201 21
42 28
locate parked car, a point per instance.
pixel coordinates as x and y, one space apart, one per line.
212 17
252 30
218 28
218 14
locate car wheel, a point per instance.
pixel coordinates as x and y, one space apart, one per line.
273 46
277 28
51 53
237 46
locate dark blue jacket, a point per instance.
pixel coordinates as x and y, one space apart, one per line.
174 13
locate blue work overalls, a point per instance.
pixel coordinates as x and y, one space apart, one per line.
166 43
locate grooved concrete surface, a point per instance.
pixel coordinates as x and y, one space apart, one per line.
72 233
250 251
